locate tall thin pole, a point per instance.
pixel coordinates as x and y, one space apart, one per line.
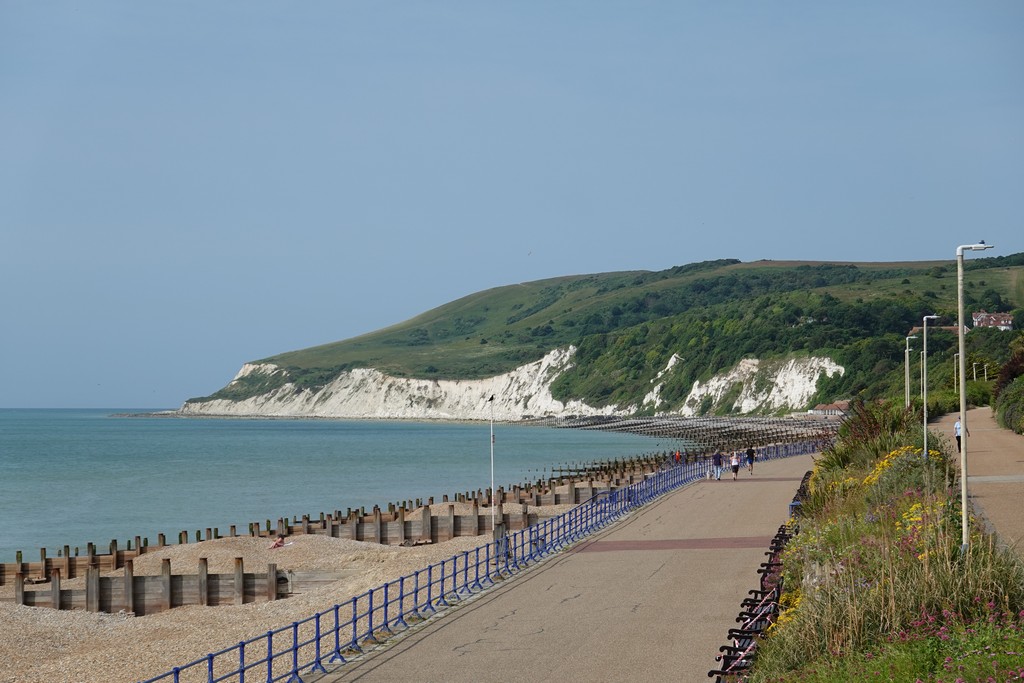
490 402
965 539
906 367
962 371
924 378
906 378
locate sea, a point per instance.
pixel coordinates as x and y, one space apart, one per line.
74 476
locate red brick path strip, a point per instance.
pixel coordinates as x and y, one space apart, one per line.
679 544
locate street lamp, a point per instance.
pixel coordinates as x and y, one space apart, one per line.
924 377
906 372
490 402
975 371
955 356
980 246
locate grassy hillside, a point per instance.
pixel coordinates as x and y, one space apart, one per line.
628 324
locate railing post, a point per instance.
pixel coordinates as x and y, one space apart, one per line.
416 593
476 570
369 614
270 657
400 619
336 656
295 654
441 599
317 663
386 608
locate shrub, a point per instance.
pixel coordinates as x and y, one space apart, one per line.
876 581
1010 406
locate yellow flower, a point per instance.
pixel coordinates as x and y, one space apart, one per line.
885 463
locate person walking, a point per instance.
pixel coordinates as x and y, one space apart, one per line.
956 433
750 460
716 462
735 462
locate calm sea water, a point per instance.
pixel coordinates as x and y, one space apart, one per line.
68 477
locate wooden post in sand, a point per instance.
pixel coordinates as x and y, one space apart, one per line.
451 523
239 582
271 586
204 582
55 589
19 588
353 522
400 536
165 584
129 586
474 518
92 589
376 524
426 535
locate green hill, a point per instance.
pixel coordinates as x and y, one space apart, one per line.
627 325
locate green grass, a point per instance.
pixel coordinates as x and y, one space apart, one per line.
628 324
877 588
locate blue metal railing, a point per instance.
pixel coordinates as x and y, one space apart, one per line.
333 636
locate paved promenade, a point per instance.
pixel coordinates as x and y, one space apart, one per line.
649 599
995 473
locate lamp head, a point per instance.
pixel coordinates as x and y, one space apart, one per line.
980 246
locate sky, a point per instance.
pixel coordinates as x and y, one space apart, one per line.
189 186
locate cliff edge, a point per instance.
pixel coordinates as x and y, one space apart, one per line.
752 386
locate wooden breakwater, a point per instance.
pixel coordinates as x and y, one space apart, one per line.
406 523
142 595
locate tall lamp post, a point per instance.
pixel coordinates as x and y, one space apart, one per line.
906 368
955 356
980 246
490 402
924 377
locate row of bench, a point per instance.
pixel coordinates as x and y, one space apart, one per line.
761 608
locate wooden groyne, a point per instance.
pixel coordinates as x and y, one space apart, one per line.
141 595
712 432
406 523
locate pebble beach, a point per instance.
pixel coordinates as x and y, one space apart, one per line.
44 645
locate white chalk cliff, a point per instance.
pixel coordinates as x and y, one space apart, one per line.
762 386
521 394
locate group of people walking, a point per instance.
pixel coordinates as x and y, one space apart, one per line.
735 461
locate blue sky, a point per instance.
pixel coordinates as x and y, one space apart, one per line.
187 186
